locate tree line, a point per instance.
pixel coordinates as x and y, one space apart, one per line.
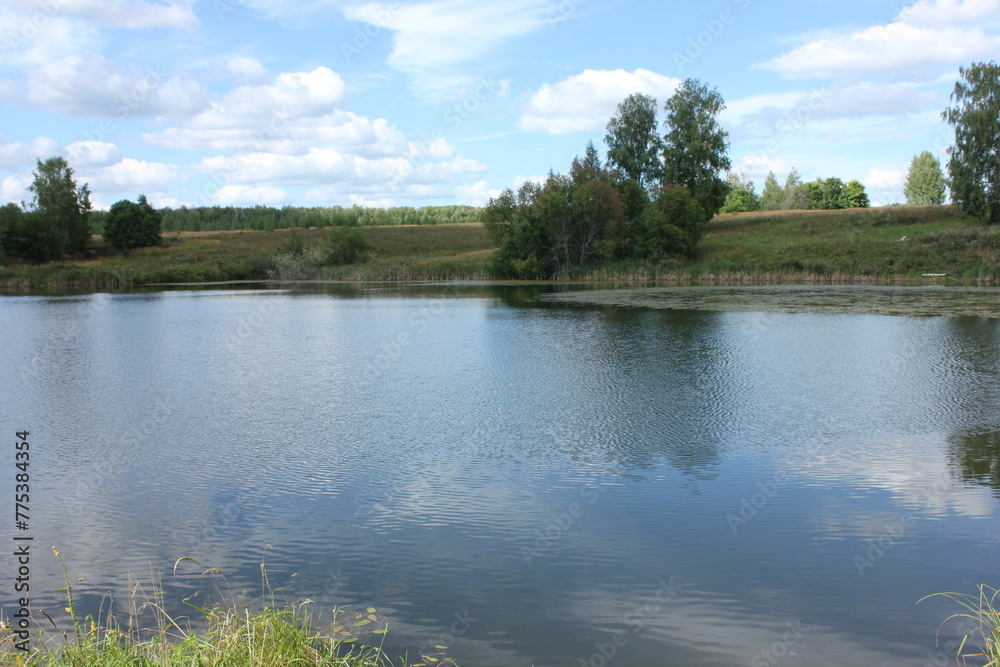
652 198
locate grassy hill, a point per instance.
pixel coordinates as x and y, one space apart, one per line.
861 245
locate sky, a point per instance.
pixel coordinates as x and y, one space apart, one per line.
430 102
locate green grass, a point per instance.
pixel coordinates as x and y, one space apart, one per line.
983 640
860 245
268 633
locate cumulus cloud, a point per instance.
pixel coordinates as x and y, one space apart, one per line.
90 84
585 102
431 39
248 69
90 153
954 13
929 32
243 195
120 13
16 155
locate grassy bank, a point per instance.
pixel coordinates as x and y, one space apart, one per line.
267 632
884 245
862 245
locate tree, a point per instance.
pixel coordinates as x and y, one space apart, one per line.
772 196
974 168
854 196
131 225
632 139
61 206
696 148
925 181
742 195
673 224
796 193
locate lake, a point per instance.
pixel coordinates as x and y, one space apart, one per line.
516 475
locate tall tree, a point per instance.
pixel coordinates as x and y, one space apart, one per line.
60 204
925 181
771 197
632 139
974 167
696 148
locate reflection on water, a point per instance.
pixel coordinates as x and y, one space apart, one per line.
520 479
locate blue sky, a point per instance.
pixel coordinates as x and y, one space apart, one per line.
421 102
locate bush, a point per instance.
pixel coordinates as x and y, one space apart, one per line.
131 225
344 246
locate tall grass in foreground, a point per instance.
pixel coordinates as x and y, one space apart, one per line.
982 613
273 634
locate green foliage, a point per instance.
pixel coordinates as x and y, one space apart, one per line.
632 140
673 224
854 196
742 195
696 147
546 231
828 194
344 246
974 168
30 235
925 181
63 208
773 195
131 225
229 218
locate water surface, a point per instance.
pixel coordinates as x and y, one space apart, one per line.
526 479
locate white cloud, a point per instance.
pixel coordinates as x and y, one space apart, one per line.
952 13
886 179
121 13
36 38
129 175
248 69
243 195
896 47
477 194
92 85
89 153
16 155
587 101
35 33
14 188
431 39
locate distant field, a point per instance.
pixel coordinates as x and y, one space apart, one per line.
861 245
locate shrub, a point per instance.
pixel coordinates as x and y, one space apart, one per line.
131 225
344 246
